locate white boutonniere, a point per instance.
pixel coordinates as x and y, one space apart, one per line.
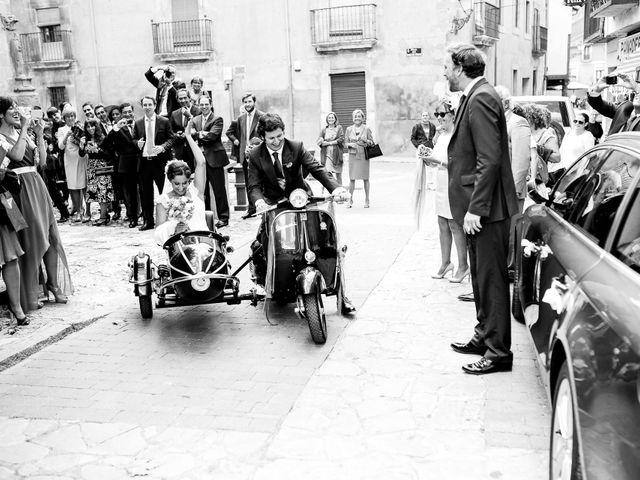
288 165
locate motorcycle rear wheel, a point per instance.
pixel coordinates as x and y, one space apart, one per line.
314 312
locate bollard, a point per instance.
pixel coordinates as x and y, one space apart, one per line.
241 189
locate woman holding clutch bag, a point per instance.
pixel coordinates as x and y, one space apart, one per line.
358 136
99 186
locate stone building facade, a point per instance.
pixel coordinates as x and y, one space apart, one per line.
301 58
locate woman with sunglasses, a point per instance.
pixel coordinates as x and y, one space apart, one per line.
574 144
450 231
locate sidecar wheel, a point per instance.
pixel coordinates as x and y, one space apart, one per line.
146 308
314 310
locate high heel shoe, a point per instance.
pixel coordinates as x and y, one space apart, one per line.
57 294
366 204
443 272
350 204
461 277
19 321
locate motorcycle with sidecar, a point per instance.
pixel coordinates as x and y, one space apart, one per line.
303 256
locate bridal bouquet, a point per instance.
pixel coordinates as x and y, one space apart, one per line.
180 208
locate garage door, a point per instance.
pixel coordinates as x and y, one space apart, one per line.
347 94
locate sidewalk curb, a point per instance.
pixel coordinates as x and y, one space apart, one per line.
47 338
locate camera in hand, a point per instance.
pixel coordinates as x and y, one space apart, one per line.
130 121
611 79
76 130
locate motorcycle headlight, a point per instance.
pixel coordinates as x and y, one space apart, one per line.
298 198
309 256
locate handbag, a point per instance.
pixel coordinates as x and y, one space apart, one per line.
372 151
13 212
104 171
542 173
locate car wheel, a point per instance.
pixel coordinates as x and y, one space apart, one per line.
564 452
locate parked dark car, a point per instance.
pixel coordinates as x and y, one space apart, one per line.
577 288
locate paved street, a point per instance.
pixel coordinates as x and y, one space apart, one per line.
217 391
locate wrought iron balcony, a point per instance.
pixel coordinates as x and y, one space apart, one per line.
610 8
184 40
46 50
344 28
593 27
539 41
486 19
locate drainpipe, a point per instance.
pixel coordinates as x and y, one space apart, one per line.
290 67
95 50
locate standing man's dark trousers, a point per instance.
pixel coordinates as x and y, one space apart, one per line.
129 182
488 250
151 171
245 169
217 179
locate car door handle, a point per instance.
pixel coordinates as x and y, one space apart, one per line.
540 249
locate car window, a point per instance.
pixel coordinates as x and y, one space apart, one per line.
601 196
627 246
568 188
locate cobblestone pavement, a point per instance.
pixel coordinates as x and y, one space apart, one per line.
217 392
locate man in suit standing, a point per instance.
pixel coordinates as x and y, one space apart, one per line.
154 139
483 199
620 114
247 124
179 121
207 131
276 168
121 140
162 79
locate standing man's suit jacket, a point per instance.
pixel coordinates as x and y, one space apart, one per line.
211 143
520 149
242 135
618 115
122 143
164 137
480 178
263 183
180 144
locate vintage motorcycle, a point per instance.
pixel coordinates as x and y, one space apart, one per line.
304 258
304 261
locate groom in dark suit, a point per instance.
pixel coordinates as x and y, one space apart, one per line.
483 199
278 166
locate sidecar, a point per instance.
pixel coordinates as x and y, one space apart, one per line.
197 272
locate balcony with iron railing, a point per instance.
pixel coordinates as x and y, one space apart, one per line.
44 51
486 24
187 40
539 40
593 27
344 28
610 8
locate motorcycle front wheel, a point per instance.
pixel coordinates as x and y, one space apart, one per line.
146 308
314 312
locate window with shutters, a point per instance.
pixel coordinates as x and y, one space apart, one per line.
348 93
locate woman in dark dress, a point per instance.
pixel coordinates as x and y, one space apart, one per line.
99 186
41 240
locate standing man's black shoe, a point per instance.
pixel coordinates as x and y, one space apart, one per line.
466 297
116 216
221 223
469 348
133 224
146 226
484 365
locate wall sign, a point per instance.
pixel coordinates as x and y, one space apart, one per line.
629 48
573 3
414 52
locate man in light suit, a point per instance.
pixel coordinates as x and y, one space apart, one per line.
207 130
276 168
154 138
483 200
179 121
246 129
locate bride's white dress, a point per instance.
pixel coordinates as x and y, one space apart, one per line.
197 221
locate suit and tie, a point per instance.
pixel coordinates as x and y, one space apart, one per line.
163 91
126 166
481 183
208 135
619 115
150 165
246 129
179 121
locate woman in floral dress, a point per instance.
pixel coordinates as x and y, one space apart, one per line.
99 186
